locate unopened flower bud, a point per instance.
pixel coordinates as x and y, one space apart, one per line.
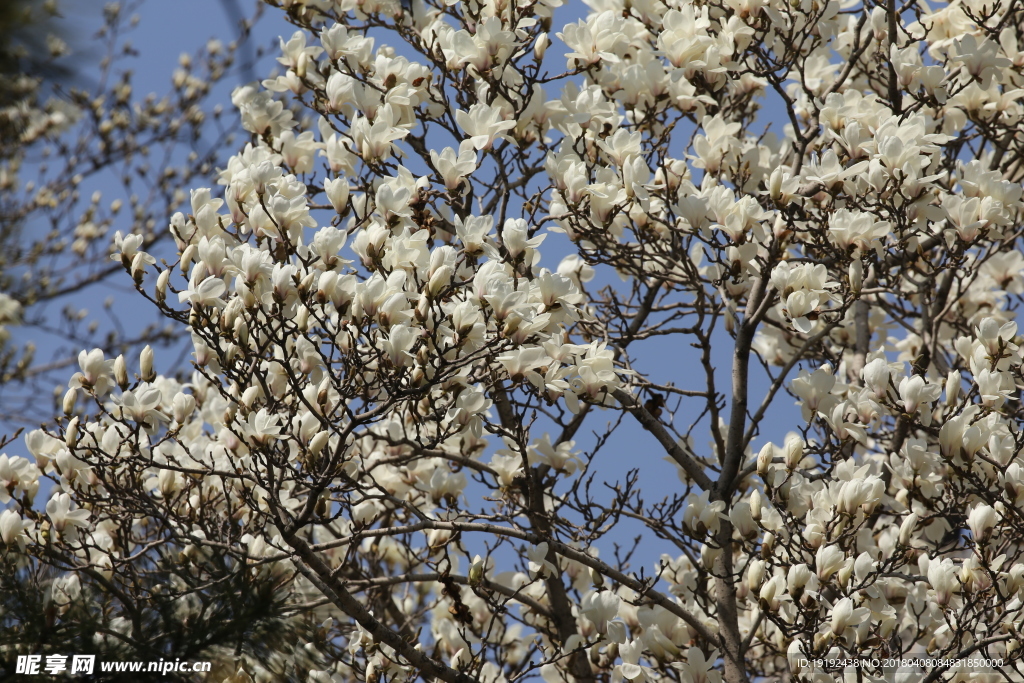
794 453
856 274
907 529
952 387
476 571
540 46
182 407
68 404
780 228
980 521
422 308
708 555
337 193
768 596
202 351
317 443
439 280
146 364
242 333
755 505
845 573
323 391
249 396
307 282
161 285
799 575
121 372
71 434
186 258
775 184
302 318
755 575
764 459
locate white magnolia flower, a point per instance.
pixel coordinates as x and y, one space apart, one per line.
844 614
58 509
981 520
484 124
943 579
915 391
262 426
205 293
540 566
13 528
600 607
96 372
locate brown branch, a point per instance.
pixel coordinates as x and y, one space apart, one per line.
319 574
692 468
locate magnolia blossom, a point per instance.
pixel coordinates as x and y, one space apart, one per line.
539 564
702 515
915 390
981 520
96 372
12 528
942 577
844 614
600 608
58 509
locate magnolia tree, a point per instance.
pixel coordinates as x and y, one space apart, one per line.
392 423
83 153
